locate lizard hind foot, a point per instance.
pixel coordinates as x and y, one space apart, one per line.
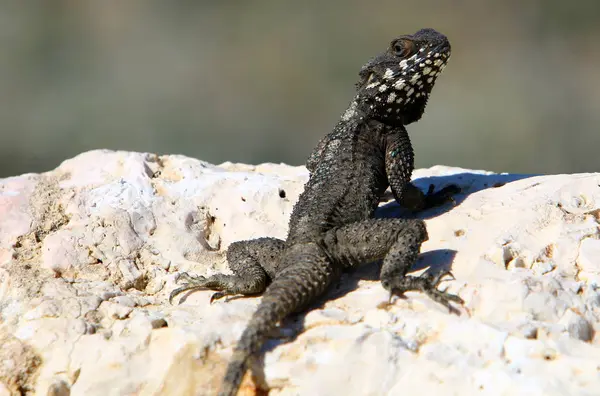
441 296
427 284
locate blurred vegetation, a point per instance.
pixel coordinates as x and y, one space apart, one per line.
264 80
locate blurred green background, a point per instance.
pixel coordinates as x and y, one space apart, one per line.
264 80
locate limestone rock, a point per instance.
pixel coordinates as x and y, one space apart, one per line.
89 253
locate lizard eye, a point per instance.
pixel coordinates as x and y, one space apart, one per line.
403 48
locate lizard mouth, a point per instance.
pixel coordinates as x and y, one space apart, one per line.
427 61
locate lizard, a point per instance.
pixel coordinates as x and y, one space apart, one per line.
332 226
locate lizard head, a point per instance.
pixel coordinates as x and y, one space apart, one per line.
395 85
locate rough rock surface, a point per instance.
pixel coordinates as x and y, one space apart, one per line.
89 253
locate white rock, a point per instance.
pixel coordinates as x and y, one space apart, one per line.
89 253
589 252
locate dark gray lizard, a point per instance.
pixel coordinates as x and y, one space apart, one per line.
332 228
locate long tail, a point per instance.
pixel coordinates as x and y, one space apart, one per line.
292 289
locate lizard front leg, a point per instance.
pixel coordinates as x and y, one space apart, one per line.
397 242
253 262
399 164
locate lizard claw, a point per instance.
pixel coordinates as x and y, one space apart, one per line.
442 196
188 279
438 277
397 294
216 296
189 283
442 296
175 293
392 295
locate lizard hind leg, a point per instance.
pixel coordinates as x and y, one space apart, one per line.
397 242
253 263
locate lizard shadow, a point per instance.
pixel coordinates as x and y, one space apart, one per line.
468 182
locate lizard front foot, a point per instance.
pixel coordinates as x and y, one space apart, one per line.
437 198
427 284
416 200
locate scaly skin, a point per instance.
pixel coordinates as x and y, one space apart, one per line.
332 228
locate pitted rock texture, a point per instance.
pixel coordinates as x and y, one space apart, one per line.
89 253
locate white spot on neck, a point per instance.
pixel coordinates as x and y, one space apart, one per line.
399 84
373 84
350 111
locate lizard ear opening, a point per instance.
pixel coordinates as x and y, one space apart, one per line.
366 72
366 75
